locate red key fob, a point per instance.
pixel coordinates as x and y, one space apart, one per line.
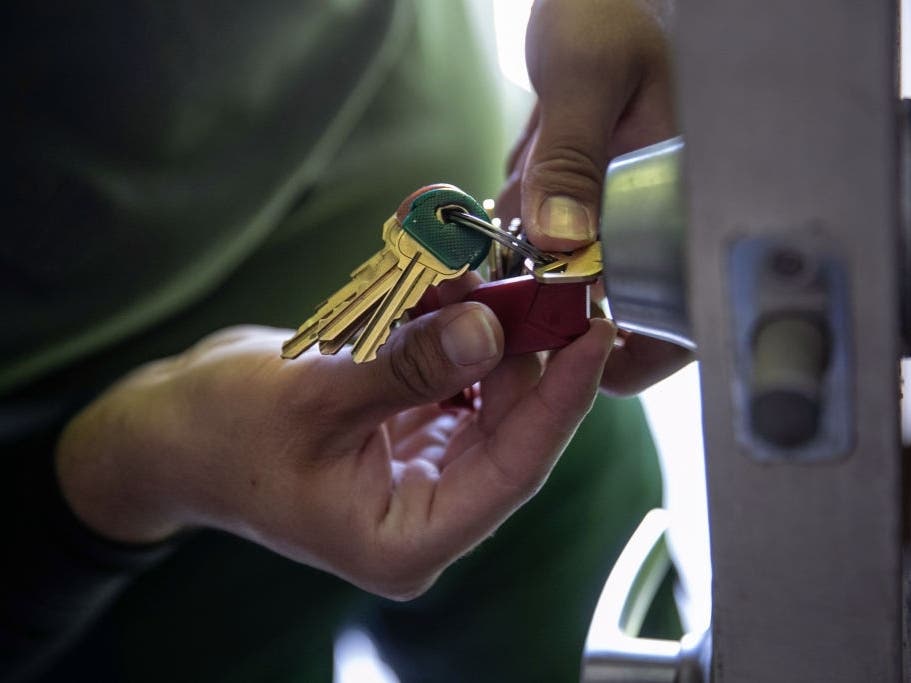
534 316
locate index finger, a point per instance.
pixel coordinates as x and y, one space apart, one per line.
481 487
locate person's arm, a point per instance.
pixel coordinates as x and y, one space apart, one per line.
603 76
350 468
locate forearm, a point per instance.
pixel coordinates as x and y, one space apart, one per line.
114 461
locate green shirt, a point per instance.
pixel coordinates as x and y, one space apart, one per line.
180 166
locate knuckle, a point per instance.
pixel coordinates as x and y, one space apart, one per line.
414 360
567 169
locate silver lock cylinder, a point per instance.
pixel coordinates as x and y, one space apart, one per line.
643 226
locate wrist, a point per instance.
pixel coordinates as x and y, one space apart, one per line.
109 473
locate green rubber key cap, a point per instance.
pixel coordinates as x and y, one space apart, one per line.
452 243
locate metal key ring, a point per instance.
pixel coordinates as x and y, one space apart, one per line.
457 214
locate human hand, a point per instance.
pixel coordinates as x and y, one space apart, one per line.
602 73
349 468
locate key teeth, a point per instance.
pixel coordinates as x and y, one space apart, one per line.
305 337
365 357
398 299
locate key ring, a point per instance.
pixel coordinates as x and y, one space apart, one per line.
457 214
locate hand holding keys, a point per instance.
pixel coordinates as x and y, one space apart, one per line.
421 249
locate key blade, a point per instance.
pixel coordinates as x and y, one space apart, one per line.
330 347
309 332
406 292
334 316
419 270
299 343
372 281
356 308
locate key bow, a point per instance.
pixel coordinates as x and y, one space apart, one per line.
452 243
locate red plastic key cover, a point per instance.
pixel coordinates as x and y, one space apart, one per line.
534 316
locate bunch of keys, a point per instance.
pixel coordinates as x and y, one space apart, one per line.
439 233
421 249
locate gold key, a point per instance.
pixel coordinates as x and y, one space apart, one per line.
581 265
419 270
335 320
420 251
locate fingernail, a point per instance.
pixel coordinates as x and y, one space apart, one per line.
564 217
469 338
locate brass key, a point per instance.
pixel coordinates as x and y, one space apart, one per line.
420 251
419 270
335 320
581 265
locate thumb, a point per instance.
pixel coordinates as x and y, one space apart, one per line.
433 357
563 174
561 182
586 67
